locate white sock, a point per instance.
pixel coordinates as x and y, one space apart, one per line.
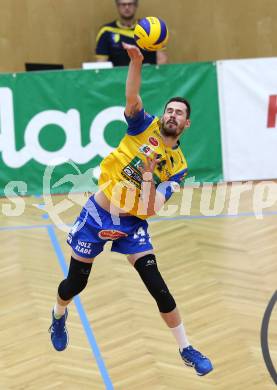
180 335
59 311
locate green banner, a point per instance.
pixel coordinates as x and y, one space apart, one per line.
56 127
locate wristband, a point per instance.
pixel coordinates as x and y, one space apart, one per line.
147 176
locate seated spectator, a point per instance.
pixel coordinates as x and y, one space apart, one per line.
111 35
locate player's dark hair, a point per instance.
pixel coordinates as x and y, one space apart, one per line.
181 100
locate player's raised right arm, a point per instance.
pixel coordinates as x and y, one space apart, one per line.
133 99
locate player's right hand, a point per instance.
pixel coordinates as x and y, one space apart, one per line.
133 52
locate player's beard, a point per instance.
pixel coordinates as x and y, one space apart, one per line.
170 128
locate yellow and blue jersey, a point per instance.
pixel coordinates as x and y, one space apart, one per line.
109 44
120 170
120 180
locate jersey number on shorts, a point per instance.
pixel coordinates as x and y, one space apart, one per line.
139 233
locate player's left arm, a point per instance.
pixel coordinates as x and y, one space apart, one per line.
148 190
165 190
153 198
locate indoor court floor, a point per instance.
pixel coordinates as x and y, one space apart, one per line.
222 270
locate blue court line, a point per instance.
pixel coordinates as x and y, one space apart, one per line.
182 217
82 314
156 219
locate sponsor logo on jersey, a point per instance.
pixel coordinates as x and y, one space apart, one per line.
128 170
153 141
130 173
111 234
147 150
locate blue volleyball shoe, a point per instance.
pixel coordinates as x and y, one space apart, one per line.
195 359
59 335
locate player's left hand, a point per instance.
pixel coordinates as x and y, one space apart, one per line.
148 168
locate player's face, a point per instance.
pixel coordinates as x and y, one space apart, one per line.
127 9
174 119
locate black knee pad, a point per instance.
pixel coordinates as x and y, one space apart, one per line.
76 280
151 277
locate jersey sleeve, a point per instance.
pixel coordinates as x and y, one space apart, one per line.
166 188
102 43
138 123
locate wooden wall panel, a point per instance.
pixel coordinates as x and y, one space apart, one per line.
64 31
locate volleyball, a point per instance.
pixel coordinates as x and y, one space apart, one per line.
151 33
